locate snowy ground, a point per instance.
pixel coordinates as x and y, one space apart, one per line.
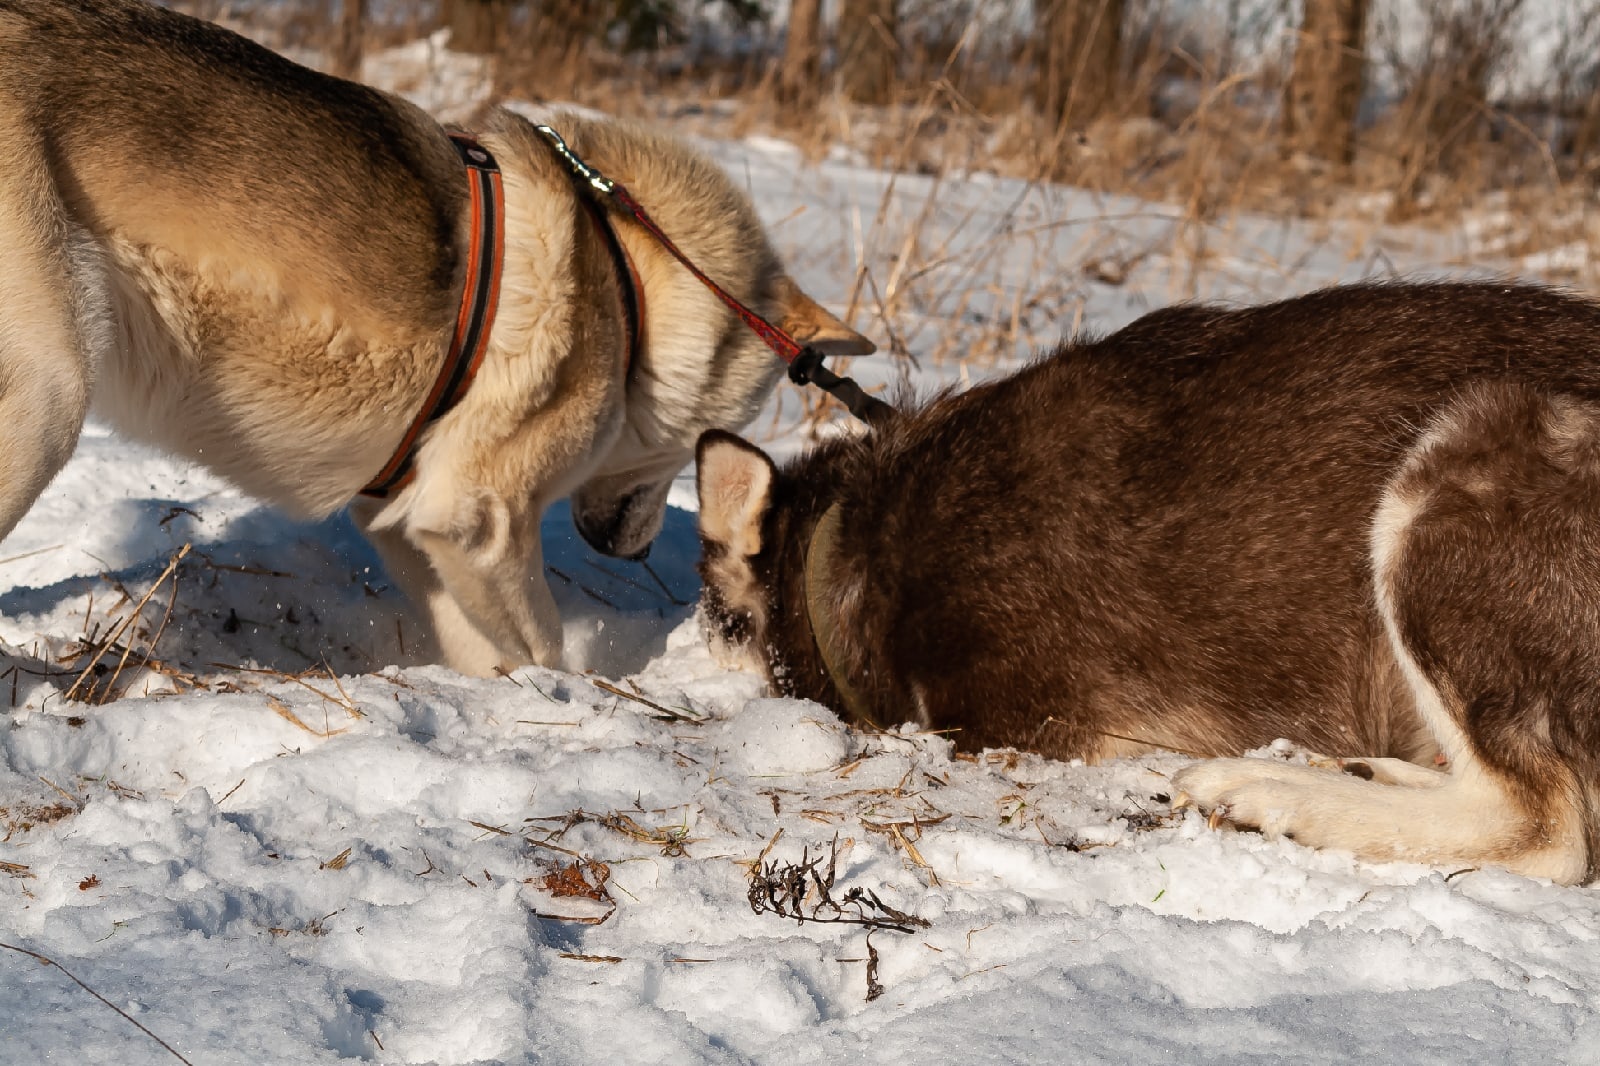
298 842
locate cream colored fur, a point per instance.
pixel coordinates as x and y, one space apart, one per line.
52 328
280 311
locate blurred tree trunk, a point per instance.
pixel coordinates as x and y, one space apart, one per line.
352 19
1080 59
867 49
477 26
1324 92
802 54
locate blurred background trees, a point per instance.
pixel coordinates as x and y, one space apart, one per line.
1322 100
1077 56
1428 101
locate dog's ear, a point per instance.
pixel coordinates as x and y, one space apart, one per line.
807 322
734 481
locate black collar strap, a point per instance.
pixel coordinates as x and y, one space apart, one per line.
629 288
480 298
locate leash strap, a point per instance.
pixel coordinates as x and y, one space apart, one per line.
804 361
480 299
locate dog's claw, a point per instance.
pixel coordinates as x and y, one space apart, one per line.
1218 815
1214 818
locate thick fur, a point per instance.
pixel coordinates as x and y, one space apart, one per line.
259 267
1367 520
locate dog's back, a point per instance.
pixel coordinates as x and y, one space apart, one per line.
1160 536
174 132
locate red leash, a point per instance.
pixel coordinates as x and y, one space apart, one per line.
805 362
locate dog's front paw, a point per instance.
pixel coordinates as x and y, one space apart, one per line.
1246 793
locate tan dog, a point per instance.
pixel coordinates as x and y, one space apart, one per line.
261 267
1367 520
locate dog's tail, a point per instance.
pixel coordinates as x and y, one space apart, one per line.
55 317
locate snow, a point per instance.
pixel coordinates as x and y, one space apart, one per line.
297 841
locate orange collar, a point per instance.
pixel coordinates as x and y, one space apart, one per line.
480 299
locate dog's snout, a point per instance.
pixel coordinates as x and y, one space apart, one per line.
616 530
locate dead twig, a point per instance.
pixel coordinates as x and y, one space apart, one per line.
45 961
122 627
784 888
666 714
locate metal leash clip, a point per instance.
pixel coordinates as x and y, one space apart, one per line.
596 180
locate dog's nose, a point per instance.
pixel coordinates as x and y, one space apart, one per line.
605 540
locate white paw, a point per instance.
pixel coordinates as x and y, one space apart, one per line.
1249 793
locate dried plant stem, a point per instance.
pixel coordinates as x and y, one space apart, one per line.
665 713
122 627
46 961
150 646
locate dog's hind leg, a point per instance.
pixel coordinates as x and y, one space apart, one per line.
55 324
1486 558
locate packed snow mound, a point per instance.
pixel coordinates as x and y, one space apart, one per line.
773 737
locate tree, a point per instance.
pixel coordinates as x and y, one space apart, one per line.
868 50
352 18
1080 59
1324 91
477 26
802 53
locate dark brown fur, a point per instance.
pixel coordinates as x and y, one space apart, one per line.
1166 536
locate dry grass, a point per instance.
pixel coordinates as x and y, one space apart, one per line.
1193 119
91 685
672 841
804 892
658 711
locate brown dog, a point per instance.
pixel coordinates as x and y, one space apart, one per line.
261 267
1367 520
